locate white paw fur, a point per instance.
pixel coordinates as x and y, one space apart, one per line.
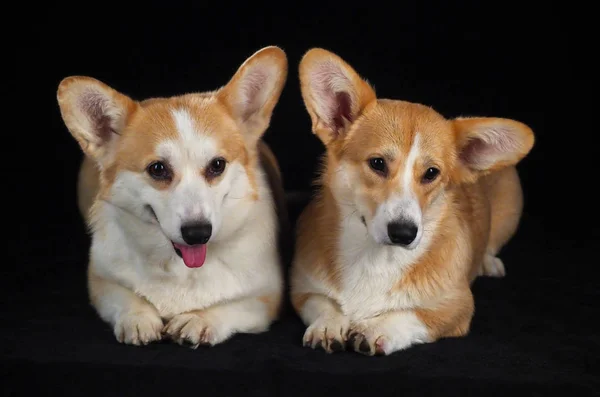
492 267
387 334
328 332
140 328
195 329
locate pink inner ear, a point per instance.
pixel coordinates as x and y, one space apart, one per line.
96 107
474 150
334 103
253 87
489 146
342 111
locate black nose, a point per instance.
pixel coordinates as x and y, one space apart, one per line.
402 232
196 233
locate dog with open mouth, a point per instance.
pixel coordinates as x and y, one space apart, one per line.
184 204
411 207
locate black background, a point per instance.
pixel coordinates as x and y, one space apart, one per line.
498 59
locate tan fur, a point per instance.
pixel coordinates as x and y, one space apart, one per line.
117 133
153 117
88 182
478 209
273 304
316 240
88 186
149 121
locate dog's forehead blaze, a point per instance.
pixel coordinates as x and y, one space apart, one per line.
154 122
391 126
390 129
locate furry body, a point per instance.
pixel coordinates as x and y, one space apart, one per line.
411 208
183 201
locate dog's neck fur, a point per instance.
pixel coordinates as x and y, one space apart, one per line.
369 270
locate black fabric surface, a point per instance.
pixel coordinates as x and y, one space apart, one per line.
534 331
532 335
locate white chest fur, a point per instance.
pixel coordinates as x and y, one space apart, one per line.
174 288
370 272
140 258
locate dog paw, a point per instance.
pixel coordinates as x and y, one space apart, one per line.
492 267
329 334
139 328
382 336
193 330
367 343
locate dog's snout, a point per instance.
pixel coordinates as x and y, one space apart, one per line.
196 232
402 232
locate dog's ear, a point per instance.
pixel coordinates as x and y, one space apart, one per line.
94 113
253 92
333 93
485 144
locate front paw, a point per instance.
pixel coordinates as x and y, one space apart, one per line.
327 333
140 328
386 334
492 267
193 330
366 341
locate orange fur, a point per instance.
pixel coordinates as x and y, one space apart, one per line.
164 181
148 122
475 201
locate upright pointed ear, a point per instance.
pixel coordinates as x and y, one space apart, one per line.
94 114
488 144
253 92
333 93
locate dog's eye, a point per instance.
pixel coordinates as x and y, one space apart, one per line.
159 171
378 165
216 167
430 174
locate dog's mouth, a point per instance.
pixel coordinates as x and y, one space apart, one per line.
193 255
177 250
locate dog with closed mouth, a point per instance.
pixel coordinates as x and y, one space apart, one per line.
183 202
411 207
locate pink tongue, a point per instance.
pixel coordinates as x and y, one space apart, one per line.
193 256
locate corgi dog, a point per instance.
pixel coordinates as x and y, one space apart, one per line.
411 207
183 202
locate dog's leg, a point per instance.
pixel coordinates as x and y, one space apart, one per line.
327 326
216 324
492 266
506 198
398 330
135 321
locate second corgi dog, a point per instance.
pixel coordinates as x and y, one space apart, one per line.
179 194
411 208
